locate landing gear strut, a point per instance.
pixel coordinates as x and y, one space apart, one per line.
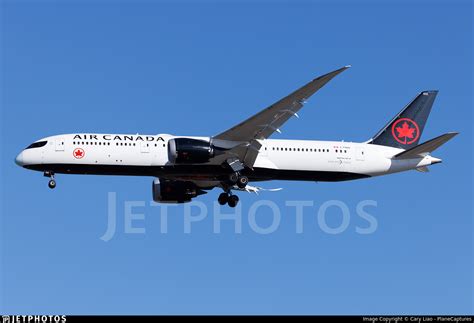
226 198
52 182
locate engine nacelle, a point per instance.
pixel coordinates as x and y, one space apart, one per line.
189 151
167 191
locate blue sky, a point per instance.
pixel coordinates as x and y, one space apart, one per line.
198 68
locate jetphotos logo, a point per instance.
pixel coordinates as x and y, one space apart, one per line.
262 217
33 318
405 131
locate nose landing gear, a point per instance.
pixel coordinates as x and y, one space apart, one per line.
52 182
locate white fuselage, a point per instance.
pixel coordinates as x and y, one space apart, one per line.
147 155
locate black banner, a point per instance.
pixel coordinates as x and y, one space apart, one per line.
150 318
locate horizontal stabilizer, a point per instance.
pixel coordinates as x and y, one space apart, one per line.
425 148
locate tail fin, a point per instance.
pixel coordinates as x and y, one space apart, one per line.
404 131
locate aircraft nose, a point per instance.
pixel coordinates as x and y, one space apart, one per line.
19 159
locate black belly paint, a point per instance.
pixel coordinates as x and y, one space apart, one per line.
203 172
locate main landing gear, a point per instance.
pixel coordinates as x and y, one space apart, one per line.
52 182
239 180
226 198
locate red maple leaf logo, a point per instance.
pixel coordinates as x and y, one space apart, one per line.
407 133
78 153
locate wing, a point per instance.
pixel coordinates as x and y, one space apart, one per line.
263 124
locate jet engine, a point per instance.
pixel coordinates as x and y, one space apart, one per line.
189 151
167 191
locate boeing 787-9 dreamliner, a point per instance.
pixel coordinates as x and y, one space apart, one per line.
185 167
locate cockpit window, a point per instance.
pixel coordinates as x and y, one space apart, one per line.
37 144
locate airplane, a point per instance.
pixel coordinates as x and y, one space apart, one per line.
185 167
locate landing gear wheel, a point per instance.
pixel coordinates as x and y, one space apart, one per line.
52 184
223 198
233 178
233 200
242 181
